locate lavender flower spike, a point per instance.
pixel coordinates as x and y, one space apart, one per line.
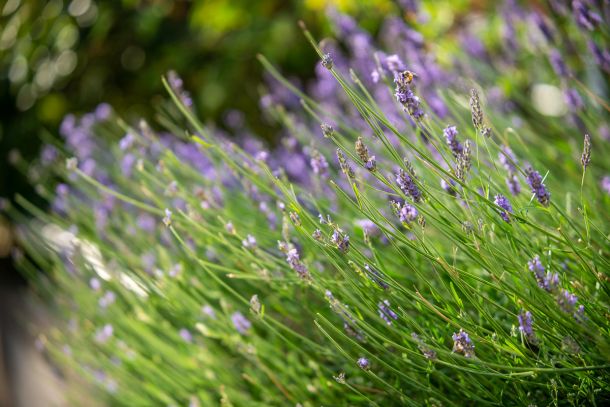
341 240
407 185
503 203
450 133
240 322
462 344
538 188
525 326
546 281
386 313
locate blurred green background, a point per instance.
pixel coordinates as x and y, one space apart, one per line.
68 56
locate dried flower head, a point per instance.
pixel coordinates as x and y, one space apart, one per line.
345 167
327 130
475 109
585 159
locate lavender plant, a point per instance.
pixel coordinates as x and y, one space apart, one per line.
191 269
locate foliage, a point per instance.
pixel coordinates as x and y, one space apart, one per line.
456 249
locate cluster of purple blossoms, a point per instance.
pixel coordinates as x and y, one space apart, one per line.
573 99
294 260
386 313
567 303
240 322
503 203
175 82
318 163
525 326
186 335
407 185
341 240
451 133
363 363
406 213
558 64
547 281
107 299
538 188
585 18
249 242
602 58
103 334
405 96
508 159
463 344
605 184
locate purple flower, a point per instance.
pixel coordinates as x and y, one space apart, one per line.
405 96
369 227
146 222
127 141
567 301
543 26
450 133
249 242
462 344
107 299
602 58
546 281
573 99
585 18
385 312
95 284
240 322
341 240
175 270
209 311
508 159
102 111
363 363
503 203
407 185
186 335
525 326
48 154
513 184
175 82
103 334
318 163
558 64
293 259
605 184
538 188
407 213
394 64
127 163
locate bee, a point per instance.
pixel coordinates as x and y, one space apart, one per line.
408 76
